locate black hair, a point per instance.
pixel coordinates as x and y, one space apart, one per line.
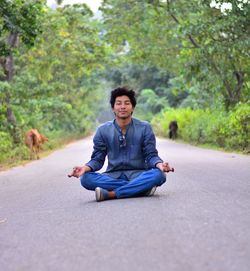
120 91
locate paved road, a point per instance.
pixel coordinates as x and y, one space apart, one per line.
198 221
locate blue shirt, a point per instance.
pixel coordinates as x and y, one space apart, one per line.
130 154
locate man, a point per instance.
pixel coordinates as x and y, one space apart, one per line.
134 167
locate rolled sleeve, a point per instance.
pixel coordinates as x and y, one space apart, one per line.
149 148
99 153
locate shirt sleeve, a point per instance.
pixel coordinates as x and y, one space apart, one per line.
99 153
149 148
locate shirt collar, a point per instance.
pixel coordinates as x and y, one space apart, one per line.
118 127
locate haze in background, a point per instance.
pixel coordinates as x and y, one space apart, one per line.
93 4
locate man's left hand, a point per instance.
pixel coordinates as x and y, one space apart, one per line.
164 167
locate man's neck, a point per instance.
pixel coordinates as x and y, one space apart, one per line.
123 123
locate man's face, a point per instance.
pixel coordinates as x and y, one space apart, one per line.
123 108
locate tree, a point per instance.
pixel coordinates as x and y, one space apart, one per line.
188 38
20 23
58 78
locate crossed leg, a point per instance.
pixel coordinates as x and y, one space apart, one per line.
122 187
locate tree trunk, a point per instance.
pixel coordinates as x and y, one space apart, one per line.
234 93
7 64
240 80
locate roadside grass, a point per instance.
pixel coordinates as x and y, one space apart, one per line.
20 155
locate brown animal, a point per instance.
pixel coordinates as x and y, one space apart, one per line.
34 140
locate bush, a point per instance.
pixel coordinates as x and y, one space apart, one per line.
5 145
238 135
225 129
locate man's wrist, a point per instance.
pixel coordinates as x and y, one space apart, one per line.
87 168
157 165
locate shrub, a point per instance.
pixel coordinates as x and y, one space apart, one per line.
5 145
225 129
239 128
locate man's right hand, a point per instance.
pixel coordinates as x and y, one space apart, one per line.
78 171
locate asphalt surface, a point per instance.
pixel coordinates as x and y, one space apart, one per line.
198 221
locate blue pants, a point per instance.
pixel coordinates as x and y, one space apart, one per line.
122 186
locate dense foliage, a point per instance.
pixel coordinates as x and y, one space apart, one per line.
53 84
207 48
205 51
229 130
187 60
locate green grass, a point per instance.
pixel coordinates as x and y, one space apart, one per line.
20 156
